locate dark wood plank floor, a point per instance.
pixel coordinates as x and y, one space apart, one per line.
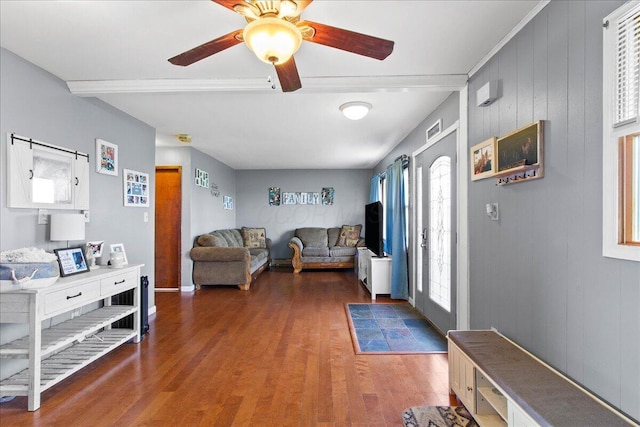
278 355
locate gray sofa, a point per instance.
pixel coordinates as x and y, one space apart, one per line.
230 257
317 247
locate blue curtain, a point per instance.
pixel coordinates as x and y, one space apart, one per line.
374 193
396 242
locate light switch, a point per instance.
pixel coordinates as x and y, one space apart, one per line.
43 216
146 217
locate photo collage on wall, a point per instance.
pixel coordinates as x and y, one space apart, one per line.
136 188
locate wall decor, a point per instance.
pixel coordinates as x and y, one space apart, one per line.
136 188
289 198
227 203
202 178
519 154
327 195
483 159
71 261
106 157
93 251
274 196
434 130
313 198
214 190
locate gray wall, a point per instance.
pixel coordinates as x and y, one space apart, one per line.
201 211
538 274
38 105
351 195
448 111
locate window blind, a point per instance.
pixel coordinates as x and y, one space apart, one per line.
627 67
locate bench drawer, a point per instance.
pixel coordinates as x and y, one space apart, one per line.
119 283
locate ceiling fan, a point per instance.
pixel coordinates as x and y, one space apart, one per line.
274 33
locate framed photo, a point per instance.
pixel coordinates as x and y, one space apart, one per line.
227 203
202 178
95 248
327 195
119 247
483 159
136 188
274 196
106 158
434 130
520 150
71 261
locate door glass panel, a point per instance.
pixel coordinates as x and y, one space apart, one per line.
52 174
440 232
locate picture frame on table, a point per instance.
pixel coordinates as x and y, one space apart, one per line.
119 248
71 261
106 158
483 159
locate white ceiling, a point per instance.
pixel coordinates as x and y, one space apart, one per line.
118 51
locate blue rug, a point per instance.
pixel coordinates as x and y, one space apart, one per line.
392 329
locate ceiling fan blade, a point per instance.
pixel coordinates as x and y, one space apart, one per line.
228 3
349 41
288 76
207 49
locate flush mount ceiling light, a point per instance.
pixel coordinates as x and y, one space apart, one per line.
355 110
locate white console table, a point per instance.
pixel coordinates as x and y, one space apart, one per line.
501 384
374 272
57 352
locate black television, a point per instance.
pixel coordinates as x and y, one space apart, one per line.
373 220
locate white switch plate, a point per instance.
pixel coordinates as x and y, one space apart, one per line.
87 216
43 216
146 217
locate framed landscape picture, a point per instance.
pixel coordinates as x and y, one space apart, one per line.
483 159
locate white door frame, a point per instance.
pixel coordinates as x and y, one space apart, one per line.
462 241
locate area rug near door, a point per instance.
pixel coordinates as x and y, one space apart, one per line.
392 329
438 416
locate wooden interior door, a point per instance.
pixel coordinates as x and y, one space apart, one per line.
168 227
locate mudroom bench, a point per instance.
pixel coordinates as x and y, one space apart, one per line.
502 384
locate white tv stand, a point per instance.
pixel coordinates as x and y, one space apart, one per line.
374 272
57 352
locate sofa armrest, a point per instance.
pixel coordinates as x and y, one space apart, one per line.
207 253
297 242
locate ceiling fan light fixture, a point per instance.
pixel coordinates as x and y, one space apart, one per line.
273 40
355 110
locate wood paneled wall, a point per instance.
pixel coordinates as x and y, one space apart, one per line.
538 274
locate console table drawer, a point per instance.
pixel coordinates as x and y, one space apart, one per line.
116 284
67 298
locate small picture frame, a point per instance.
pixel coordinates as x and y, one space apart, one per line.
136 188
327 196
227 203
483 159
96 248
434 130
274 196
119 247
71 261
106 158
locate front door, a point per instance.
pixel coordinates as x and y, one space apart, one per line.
436 227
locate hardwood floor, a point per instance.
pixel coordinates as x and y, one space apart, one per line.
278 355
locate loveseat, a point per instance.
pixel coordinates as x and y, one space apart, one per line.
316 247
230 257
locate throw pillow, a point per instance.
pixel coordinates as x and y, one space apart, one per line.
254 237
349 235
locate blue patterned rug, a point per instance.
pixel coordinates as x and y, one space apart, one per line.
392 329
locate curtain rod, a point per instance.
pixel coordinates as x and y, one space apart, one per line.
44 144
